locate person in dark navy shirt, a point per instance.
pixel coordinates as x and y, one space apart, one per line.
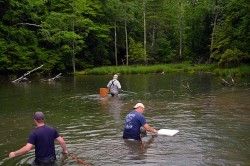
133 123
42 138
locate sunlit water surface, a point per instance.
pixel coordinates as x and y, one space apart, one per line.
213 120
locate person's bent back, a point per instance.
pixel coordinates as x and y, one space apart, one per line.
134 121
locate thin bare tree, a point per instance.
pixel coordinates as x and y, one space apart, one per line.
181 33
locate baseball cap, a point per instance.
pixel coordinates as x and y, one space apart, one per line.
38 116
139 105
115 76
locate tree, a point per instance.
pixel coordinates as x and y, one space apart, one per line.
232 44
145 30
77 34
181 33
129 12
216 14
162 30
137 54
70 26
18 32
113 9
198 29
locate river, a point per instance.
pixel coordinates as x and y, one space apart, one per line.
213 120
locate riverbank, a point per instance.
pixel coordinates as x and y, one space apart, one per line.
242 71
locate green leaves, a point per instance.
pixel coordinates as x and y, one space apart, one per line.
136 54
232 58
232 45
76 34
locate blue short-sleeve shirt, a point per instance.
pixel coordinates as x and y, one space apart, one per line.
43 138
133 121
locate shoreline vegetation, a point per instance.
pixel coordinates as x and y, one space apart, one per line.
241 71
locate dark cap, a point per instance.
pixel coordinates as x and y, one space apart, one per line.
38 116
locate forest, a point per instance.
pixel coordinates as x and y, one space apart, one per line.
73 35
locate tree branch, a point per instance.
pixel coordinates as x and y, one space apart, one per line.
27 73
29 24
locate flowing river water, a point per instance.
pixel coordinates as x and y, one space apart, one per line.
213 120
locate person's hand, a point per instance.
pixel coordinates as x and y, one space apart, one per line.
12 155
65 152
155 131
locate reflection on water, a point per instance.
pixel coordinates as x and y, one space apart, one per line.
213 120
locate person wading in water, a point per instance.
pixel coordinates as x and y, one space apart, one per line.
42 138
114 86
133 123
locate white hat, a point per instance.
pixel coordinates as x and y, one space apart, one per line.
115 76
139 105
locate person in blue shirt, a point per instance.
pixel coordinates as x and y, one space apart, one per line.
42 137
133 123
114 86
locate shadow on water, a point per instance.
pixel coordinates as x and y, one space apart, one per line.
213 120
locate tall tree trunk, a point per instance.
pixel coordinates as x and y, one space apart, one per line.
73 42
116 63
214 26
153 37
73 51
73 56
126 35
145 31
180 51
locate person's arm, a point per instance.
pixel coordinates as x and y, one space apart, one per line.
21 151
62 143
150 129
108 86
119 86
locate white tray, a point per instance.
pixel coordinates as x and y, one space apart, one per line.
168 132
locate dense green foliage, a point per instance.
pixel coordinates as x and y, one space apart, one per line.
73 35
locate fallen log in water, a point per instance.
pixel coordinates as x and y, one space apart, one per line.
186 87
226 83
52 79
24 76
167 91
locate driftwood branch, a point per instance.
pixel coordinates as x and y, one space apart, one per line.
27 73
29 24
187 87
226 83
52 79
232 80
167 91
57 76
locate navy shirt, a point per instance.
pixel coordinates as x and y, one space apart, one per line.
43 138
133 121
